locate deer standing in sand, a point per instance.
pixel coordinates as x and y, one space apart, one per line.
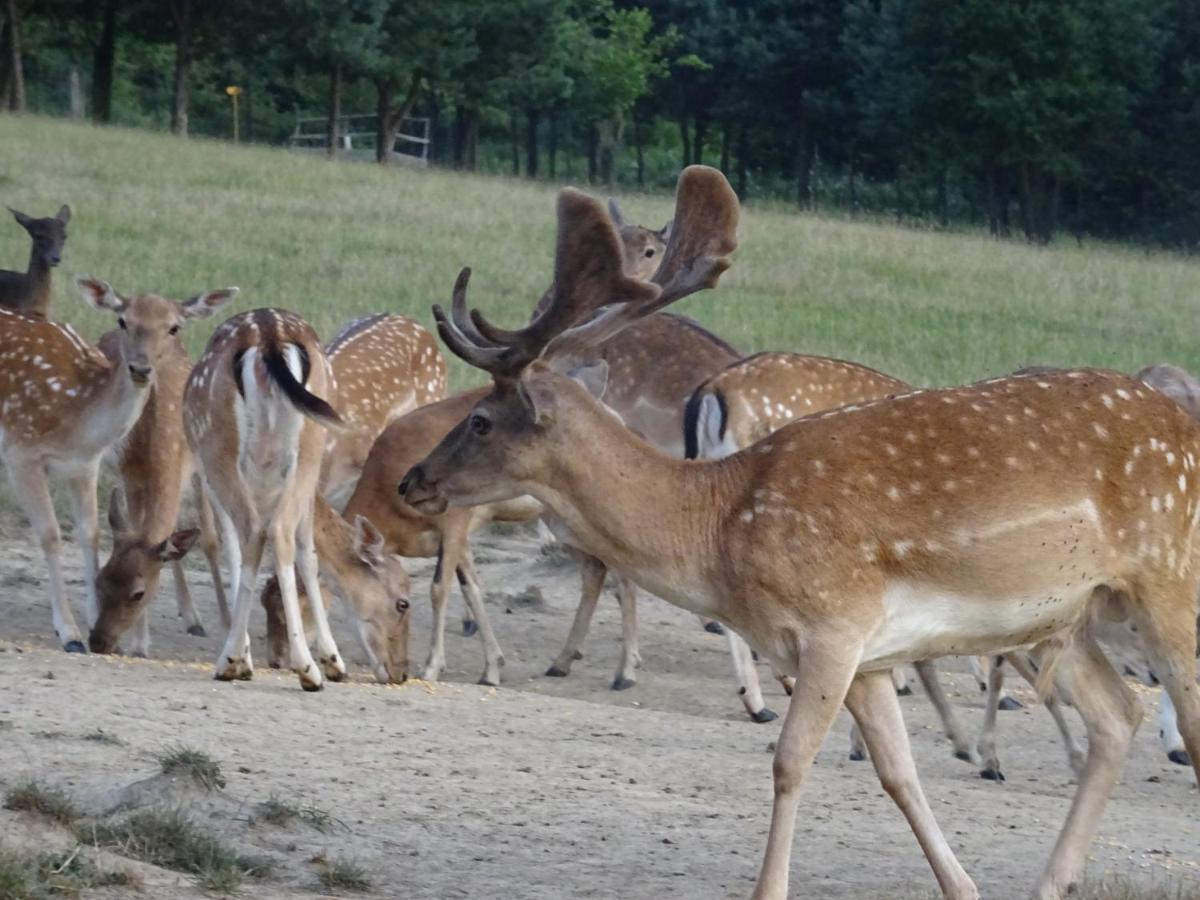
255 417
29 291
155 467
63 404
1019 507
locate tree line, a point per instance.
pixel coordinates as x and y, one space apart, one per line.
1032 118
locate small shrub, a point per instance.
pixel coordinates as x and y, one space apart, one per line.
49 802
56 875
202 768
100 736
343 875
274 811
317 819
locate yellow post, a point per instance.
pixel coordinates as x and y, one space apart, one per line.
233 91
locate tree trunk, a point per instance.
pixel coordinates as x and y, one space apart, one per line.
16 74
804 156
532 120
333 127
943 198
743 162
698 140
391 118
639 140
552 145
471 159
5 80
726 141
182 11
852 180
593 153
459 138
75 93
103 61
514 136
686 137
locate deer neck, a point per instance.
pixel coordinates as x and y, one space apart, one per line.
653 517
117 404
37 283
333 537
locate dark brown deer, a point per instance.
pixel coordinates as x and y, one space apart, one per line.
29 291
943 522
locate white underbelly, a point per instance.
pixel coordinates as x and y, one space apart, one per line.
923 622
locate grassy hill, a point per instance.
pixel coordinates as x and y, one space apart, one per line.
334 241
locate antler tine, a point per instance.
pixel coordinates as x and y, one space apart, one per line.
466 343
703 234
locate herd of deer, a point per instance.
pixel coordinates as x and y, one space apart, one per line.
834 519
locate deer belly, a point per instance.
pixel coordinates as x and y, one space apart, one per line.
923 622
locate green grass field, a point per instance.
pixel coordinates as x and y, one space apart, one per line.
333 241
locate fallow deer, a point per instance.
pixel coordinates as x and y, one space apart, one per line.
254 417
29 291
383 367
155 466
407 532
964 521
63 404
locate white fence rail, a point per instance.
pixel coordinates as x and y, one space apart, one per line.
357 134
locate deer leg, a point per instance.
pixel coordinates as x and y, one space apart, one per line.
468 582
310 576
631 658
592 573
872 701
28 483
858 749
900 681
955 733
749 688
1168 732
140 646
235 661
821 685
211 547
986 746
439 593
81 491
183 601
979 668
1075 754
283 542
1111 712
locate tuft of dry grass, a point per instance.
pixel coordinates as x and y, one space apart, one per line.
201 767
32 796
70 874
343 875
280 813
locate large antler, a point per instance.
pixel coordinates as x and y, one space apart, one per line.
703 234
592 299
588 275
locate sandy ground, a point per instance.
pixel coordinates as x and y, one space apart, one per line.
543 788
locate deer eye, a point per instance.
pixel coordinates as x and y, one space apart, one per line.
480 425
649 252
121 323
402 606
137 596
174 329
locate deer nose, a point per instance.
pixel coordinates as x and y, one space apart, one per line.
139 373
413 476
55 259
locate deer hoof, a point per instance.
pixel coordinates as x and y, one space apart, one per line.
470 628
857 756
234 670
620 683
964 755
905 691
197 630
763 715
75 647
1008 704
1179 757
488 682
714 627
992 774
556 672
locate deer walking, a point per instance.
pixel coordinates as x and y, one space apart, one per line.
63 404
921 505
254 420
29 291
155 466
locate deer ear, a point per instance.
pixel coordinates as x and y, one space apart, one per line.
177 545
100 295
116 513
538 399
664 233
204 305
593 376
614 212
64 214
368 542
23 220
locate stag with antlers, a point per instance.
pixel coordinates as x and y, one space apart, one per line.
861 538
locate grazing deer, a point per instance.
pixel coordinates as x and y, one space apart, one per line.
29 291
383 367
408 532
947 522
254 416
63 404
155 465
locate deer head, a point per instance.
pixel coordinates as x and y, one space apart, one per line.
130 575
48 235
514 435
641 247
149 324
